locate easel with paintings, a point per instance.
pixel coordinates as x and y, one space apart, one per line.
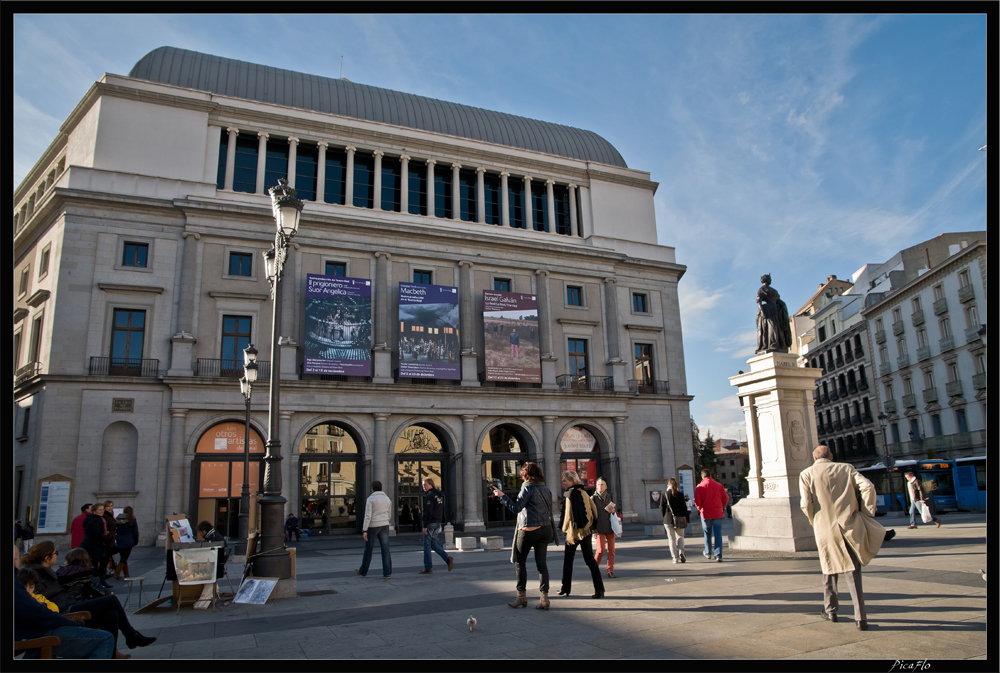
179 529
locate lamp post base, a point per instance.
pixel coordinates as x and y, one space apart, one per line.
274 560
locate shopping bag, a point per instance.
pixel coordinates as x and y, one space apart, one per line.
616 525
925 513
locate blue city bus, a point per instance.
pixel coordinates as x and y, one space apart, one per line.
955 485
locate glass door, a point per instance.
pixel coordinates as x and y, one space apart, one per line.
506 475
410 473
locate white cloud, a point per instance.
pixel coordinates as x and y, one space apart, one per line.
723 418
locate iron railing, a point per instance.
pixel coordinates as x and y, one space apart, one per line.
28 371
648 387
107 366
230 369
585 382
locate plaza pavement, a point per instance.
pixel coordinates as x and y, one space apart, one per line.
925 599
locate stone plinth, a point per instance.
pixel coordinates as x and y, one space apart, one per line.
465 543
491 542
781 434
449 536
655 530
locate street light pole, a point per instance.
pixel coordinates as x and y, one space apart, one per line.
274 560
246 387
888 461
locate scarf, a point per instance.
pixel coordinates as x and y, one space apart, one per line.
577 508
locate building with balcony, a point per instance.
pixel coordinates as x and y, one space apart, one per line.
139 236
804 332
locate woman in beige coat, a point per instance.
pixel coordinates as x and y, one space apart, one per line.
579 519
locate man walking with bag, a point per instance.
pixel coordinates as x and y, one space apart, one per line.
917 501
847 535
433 518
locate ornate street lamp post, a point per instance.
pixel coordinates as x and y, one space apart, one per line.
888 461
246 387
274 560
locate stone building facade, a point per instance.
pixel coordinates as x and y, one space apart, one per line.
138 281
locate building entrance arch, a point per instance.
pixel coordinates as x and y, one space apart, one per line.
506 447
583 448
423 450
333 479
218 474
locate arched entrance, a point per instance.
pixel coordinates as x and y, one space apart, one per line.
580 451
505 451
332 484
218 474
421 453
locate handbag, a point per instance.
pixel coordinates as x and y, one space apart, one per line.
552 522
680 522
925 513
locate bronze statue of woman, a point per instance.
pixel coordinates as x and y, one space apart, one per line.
774 335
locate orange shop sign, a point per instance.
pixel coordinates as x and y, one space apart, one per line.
228 438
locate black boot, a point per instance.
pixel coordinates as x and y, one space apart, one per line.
138 640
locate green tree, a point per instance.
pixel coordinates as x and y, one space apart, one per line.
706 456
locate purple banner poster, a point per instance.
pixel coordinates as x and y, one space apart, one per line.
510 326
338 331
428 332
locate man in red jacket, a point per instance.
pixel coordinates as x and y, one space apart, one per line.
710 498
76 528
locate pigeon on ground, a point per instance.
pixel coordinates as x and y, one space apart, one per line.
471 621
984 574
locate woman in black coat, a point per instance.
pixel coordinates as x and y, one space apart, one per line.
96 537
126 537
675 519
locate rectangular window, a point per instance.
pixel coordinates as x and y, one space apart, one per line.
442 192
416 193
491 198
907 387
894 429
914 429
953 374
501 285
43 264
17 349
878 325
245 165
644 364
561 197
971 313
275 163
240 263
888 392
963 278
639 304
336 269
135 254
24 421
574 296
539 212
220 175
938 292
467 195
235 337
883 354
36 339
364 181
127 336
336 176
23 286
901 347
515 202
929 378
306 171
936 424
945 326
391 185
422 277
577 363
921 338
897 315
822 333
960 420
916 304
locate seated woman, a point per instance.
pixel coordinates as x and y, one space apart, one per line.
105 611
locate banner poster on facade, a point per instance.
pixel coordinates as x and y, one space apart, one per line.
428 332
510 326
338 326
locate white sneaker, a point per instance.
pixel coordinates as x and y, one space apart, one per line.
675 560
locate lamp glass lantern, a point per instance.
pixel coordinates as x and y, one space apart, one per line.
250 372
269 263
249 355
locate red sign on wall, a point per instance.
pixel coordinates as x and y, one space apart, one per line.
214 481
586 469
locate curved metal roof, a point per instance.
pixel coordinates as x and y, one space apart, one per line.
239 79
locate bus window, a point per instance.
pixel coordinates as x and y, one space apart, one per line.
981 475
937 483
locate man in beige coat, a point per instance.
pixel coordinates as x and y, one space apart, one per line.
847 535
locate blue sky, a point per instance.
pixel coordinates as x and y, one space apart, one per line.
796 145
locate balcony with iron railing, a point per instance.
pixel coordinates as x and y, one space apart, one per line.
930 395
866 418
903 361
953 388
909 401
966 293
972 334
859 352
649 387
979 381
917 318
834 395
856 421
890 406
898 328
880 336
923 353
842 391
956 441
946 344
884 369
863 384
941 306
585 382
837 425
848 356
825 398
107 366
230 369
27 372
852 387
839 361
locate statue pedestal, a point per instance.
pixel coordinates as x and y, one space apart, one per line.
781 434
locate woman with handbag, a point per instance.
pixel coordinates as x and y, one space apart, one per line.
579 519
675 519
126 537
535 530
605 533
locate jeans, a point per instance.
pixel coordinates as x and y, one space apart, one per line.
107 614
431 543
675 536
915 514
78 642
710 527
382 533
605 541
588 556
538 540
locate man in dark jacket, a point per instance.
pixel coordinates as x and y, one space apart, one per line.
34 620
432 518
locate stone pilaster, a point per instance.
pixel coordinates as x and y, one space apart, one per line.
381 349
550 204
551 458
526 209
466 316
430 188
290 486
574 229
615 363
380 451
547 357
471 459
174 497
480 195
183 341
404 183
456 193
620 450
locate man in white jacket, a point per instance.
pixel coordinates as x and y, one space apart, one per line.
378 510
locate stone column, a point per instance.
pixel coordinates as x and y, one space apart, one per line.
781 434
629 507
293 155
550 204
182 342
430 187
404 183
349 178
381 350
615 363
380 452
574 230
551 459
230 157
504 199
547 357
187 459
456 194
321 171
174 497
377 200
287 345
292 488
261 161
471 460
480 195
526 206
466 317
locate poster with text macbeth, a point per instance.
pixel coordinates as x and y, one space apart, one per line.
338 330
510 326
428 332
